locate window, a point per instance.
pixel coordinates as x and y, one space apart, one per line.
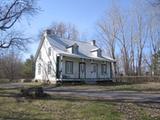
40 56
75 49
82 67
69 67
49 51
39 68
94 67
104 69
49 67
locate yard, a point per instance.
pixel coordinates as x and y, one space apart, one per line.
63 107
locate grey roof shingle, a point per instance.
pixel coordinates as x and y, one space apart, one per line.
84 51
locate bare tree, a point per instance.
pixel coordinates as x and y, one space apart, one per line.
108 30
11 65
142 34
13 38
112 31
154 44
127 35
153 7
124 43
63 30
155 3
12 11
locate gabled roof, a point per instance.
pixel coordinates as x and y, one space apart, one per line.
84 51
95 49
60 45
75 44
39 47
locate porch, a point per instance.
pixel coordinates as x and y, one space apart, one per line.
81 69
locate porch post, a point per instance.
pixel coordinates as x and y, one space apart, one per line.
111 70
114 72
61 66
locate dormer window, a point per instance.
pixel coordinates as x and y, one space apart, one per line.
96 52
73 49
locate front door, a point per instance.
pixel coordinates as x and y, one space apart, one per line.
82 70
94 70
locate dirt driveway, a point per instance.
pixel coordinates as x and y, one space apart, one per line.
128 96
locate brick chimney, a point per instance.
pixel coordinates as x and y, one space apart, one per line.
47 32
93 42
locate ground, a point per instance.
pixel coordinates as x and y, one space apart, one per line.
82 102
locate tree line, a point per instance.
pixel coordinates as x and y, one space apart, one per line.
131 38
12 40
12 67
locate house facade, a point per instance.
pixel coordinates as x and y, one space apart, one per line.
60 59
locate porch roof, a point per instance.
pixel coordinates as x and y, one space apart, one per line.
89 58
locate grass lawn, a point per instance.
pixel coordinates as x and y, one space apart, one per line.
62 108
4 80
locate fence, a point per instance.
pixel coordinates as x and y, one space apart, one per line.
136 79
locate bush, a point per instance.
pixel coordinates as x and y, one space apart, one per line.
33 92
25 92
39 92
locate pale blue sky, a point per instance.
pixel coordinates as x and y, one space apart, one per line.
83 13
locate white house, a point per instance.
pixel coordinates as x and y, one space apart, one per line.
60 59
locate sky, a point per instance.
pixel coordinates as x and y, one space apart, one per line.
84 14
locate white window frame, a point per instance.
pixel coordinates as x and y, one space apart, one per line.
94 67
39 68
103 69
49 67
69 67
49 51
40 55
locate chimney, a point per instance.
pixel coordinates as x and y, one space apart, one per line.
47 32
93 42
